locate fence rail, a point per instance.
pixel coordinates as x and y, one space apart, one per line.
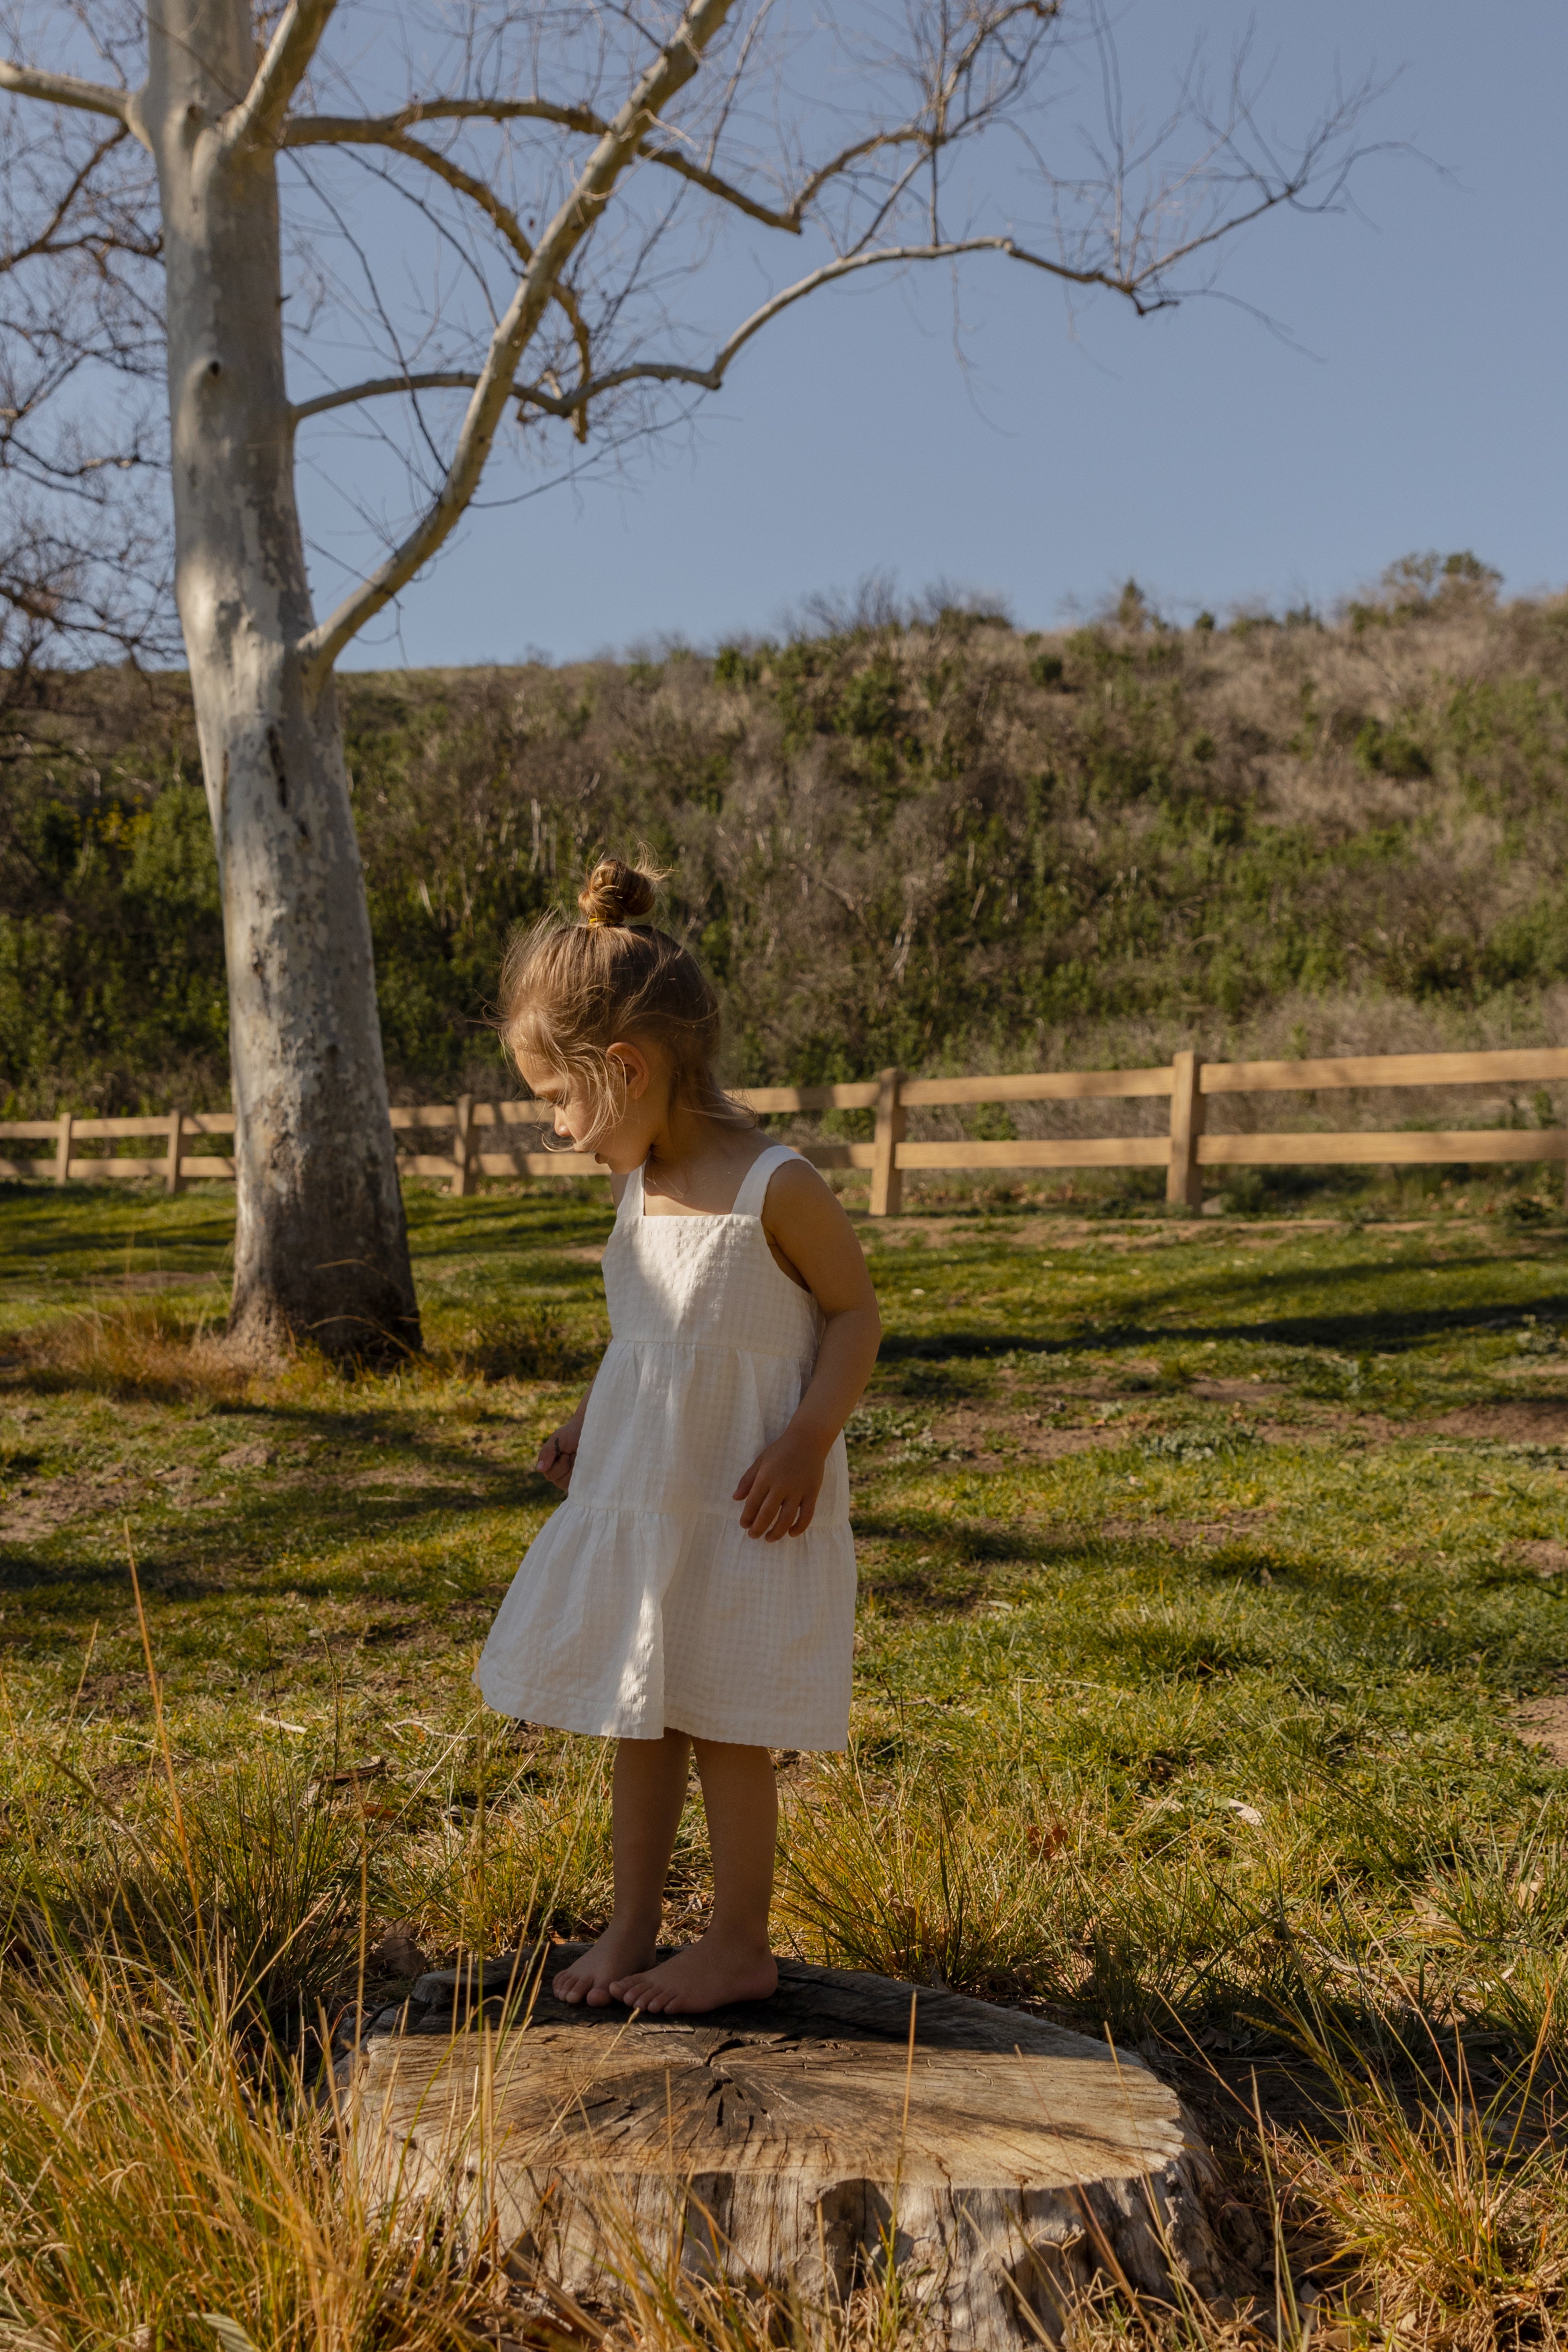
1184 1150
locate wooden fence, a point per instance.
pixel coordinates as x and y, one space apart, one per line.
488 1138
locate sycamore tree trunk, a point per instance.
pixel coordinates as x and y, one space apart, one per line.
322 1248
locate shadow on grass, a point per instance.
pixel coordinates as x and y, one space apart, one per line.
1373 1330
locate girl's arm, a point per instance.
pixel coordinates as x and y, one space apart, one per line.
559 1453
803 1218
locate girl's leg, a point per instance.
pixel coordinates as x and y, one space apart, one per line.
731 1961
647 1792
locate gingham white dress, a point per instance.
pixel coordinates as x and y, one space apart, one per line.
641 1603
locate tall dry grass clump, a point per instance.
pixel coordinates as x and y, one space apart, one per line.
1439 2211
148 1349
901 1875
151 2181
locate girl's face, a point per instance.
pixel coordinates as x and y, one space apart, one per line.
623 1145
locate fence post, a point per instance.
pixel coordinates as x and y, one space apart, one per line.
886 1176
176 1138
1184 1182
63 1149
463 1150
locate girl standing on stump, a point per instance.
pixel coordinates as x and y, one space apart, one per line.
696 1589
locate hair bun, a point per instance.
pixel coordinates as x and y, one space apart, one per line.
616 893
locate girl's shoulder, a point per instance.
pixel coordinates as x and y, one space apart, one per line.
799 1200
795 1179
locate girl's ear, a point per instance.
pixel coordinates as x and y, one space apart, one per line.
638 1069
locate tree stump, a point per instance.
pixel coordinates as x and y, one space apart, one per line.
799 2142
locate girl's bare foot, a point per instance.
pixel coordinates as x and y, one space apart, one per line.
621 1949
709 1974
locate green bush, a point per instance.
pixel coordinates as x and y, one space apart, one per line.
885 841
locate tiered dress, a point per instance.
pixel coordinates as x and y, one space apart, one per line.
642 1603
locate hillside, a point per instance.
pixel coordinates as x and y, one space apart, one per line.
939 843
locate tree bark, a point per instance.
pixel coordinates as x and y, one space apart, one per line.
321 1245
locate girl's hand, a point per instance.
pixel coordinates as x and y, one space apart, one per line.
780 1488
558 1453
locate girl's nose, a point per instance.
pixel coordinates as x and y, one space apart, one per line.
561 1126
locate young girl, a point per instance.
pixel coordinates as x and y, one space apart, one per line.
696 1589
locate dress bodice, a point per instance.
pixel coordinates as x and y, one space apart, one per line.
707 1281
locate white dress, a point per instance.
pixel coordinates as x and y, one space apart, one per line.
642 1603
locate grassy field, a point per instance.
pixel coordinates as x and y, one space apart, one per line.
1204 1568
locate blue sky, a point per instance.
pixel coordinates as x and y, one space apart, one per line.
1417 404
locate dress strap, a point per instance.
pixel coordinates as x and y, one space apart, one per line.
753 1191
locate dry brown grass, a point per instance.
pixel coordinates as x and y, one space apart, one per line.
1440 2216
148 1349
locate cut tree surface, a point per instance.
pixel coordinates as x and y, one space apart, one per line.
1003 2161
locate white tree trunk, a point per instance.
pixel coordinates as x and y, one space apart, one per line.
321 1248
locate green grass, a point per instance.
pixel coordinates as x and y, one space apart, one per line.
1202 1566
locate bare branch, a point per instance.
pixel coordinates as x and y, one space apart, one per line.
673 67
480 192
433 380
66 90
711 378
1139 285
388 130
375 130
258 119
46 238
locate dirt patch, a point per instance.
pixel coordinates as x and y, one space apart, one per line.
117 1694
1236 1391
975 1434
1538 1421
253 1457
1546 1557
1544 1723
1186 1532
38 1510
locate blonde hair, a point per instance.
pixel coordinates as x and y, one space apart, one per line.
570 991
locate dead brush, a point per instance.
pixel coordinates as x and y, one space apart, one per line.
150 2183
1442 2216
535 1860
143 1349
901 1880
